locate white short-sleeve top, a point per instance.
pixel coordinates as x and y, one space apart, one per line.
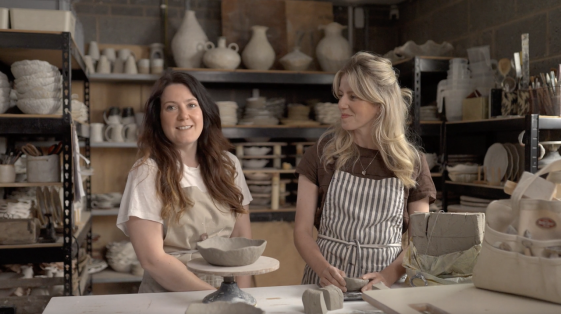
141 200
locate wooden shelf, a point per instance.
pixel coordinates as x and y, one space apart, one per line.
485 186
243 76
124 78
111 276
28 184
436 174
105 212
113 145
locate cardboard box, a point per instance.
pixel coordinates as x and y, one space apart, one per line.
19 231
475 109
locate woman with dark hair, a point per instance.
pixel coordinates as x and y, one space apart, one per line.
185 188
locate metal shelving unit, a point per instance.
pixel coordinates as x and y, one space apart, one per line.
59 49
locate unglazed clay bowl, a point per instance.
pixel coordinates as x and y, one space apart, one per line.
223 308
355 284
222 251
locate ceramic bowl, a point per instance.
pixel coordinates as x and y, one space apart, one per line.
262 201
355 284
260 188
255 163
39 106
40 93
256 151
222 251
119 265
223 308
258 176
462 177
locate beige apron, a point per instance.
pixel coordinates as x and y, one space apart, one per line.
180 241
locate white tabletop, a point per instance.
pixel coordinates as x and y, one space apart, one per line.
281 299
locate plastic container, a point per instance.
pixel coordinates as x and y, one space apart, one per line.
4 13
43 168
43 20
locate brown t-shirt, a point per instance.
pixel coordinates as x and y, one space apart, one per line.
311 167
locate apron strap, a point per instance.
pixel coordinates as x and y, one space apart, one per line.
356 243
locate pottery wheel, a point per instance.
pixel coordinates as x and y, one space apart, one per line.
229 290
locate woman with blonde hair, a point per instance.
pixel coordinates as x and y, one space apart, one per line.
358 184
185 188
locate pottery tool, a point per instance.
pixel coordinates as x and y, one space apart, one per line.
31 150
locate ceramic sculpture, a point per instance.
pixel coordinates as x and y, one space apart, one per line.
188 42
333 50
258 54
296 60
411 49
221 57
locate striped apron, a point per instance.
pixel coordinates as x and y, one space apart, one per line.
361 225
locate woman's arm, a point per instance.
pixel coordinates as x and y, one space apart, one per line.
242 228
395 270
306 205
168 271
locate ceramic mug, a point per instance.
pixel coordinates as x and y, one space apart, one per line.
96 132
156 66
144 66
112 115
114 133
130 133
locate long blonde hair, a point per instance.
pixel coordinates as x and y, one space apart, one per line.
373 79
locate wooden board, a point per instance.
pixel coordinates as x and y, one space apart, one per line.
302 21
263 265
452 299
239 15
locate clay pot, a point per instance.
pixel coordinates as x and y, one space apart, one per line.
355 284
221 57
258 54
221 251
296 60
187 42
333 50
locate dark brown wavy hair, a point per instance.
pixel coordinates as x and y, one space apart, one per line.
217 168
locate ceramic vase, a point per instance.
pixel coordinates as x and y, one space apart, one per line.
296 60
188 43
221 57
333 50
258 54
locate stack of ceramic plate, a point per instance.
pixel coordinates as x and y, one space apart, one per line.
256 113
298 115
428 113
504 162
462 159
470 204
327 113
276 106
5 91
465 173
38 85
228 112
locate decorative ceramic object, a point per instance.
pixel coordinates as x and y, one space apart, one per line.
222 57
296 60
221 251
411 49
223 308
355 284
258 54
187 41
333 49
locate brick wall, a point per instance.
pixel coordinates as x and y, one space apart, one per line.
497 23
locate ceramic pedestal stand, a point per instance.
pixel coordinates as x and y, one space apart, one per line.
229 290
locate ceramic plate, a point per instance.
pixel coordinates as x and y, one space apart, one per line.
508 173
515 160
495 162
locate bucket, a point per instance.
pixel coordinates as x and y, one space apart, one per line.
43 168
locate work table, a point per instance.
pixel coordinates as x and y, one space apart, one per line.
281 299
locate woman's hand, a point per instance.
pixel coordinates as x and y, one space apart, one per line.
374 279
332 276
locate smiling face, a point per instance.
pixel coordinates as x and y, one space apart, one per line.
356 114
181 116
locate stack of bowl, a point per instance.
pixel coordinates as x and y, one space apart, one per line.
453 90
428 113
38 85
327 113
228 112
5 90
276 106
120 256
256 113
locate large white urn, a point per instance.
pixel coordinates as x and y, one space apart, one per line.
188 43
333 50
258 54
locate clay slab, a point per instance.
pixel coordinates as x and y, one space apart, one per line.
355 284
221 251
313 301
333 297
223 308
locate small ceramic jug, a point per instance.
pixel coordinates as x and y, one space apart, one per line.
221 57
112 115
114 133
130 132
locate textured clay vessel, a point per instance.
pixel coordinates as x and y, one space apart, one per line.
296 60
221 251
355 284
221 57
258 54
187 44
333 50
223 308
